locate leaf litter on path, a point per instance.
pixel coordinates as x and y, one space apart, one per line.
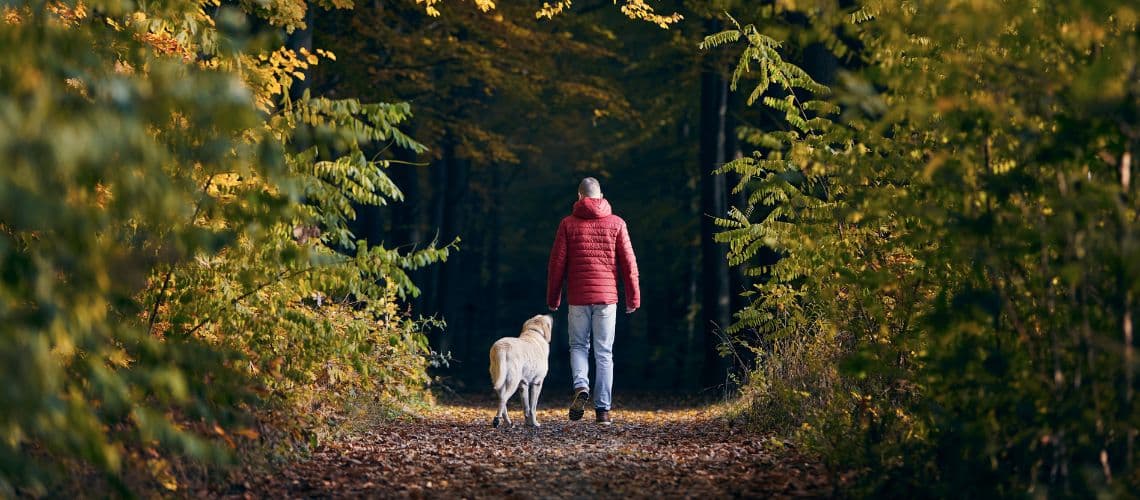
453 452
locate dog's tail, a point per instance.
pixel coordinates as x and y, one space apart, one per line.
498 367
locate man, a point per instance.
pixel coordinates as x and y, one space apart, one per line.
591 250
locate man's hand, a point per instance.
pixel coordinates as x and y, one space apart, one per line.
553 308
629 310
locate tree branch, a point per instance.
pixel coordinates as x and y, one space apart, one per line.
158 301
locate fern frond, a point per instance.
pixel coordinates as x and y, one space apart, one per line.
718 39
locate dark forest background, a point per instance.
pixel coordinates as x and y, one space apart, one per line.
638 107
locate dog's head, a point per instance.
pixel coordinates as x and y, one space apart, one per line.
541 323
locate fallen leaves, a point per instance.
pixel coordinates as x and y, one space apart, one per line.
453 452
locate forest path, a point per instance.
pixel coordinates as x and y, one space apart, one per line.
453 452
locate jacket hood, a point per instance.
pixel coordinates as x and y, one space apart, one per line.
592 208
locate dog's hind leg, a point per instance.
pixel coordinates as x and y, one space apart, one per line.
525 392
504 392
501 416
535 390
502 410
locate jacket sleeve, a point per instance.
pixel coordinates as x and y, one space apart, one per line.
627 262
556 269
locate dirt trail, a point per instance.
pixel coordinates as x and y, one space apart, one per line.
649 451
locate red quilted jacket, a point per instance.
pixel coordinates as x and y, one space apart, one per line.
591 249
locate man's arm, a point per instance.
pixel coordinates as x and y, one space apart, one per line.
556 269
627 261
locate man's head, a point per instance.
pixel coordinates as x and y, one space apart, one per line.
589 188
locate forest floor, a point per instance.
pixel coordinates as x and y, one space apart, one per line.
653 449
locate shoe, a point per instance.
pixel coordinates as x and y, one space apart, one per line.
578 404
603 416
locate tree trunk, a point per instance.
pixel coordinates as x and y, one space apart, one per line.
297 40
738 281
434 288
450 184
1126 299
433 296
457 185
494 283
714 268
405 232
405 214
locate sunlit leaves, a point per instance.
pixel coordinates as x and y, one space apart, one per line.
634 9
640 9
548 10
151 279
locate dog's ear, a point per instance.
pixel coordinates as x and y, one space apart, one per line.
548 326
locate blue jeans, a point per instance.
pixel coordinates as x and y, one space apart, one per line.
600 321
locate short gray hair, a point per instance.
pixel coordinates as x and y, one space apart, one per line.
590 188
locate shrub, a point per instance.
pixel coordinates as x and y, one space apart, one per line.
963 212
175 263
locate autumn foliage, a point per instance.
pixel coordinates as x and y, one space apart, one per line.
178 276
952 310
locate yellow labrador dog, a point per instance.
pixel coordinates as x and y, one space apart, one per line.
521 363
